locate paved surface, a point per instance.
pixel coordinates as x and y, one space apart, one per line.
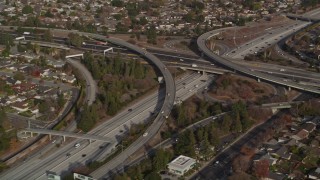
263 42
113 128
169 84
231 65
221 170
46 44
91 86
24 132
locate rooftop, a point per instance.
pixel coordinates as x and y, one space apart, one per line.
182 162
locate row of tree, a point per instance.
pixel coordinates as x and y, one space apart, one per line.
4 136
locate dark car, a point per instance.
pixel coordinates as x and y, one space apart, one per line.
129 110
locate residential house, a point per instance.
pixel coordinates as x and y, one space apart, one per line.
20 106
23 87
267 156
283 152
272 145
315 174
309 126
69 79
302 134
12 81
56 64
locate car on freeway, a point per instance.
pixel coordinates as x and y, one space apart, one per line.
130 110
68 154
77 145
145 134
282 70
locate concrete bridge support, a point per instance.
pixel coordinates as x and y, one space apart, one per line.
258 79
289 88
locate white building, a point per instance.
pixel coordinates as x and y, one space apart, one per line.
181 165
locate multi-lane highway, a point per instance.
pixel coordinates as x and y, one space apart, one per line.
263 42
222 169
114 128
201 41
169 88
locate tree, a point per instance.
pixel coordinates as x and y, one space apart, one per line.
226 123
47 36
161 159
214 136
6 39
43 107
152 35
19 76
48 14
152 176
237 127
143 21
32 21
88 118
117 3
21 48
61 100
3 116
42 61
6 51
36 48
75 39
27 9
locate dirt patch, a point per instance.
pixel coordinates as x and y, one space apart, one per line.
233 88
238 36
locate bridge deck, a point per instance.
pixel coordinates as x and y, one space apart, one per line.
68 134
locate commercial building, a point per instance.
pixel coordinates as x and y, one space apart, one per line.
181 165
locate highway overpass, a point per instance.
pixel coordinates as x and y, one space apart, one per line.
64 134
303 17
44 44
202 69
201 41
160 118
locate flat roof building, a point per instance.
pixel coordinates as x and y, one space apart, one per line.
181 165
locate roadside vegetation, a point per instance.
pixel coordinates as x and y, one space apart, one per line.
232 88
120 81
204 142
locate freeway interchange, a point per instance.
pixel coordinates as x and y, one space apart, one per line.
160 102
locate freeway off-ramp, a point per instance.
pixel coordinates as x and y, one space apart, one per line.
91 86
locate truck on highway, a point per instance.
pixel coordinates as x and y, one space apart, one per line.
26 33
194 65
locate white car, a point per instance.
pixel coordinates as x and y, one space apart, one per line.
77 145
145 134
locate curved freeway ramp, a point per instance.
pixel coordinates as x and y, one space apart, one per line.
155 126
201 42
159 120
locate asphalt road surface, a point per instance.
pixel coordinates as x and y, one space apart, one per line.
222 169
114 128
